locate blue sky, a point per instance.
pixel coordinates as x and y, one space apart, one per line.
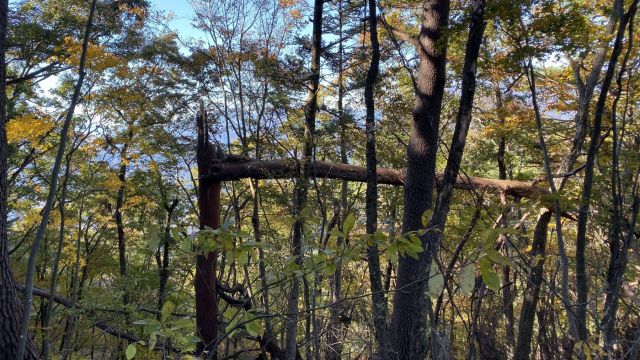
183 14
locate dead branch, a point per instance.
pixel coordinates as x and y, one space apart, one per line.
236 168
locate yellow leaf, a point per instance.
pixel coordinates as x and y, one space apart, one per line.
29 127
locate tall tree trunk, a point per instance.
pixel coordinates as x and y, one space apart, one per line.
205 279
564 260
411 303
307 318
268 339
301 189
335 332
508 289
502 145
409 319
46 341
456 150
619 242
65 343
10 308
53 183
534 283
585 94
164 263
117 215
585 199
373 257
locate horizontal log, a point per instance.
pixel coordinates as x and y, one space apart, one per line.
236 168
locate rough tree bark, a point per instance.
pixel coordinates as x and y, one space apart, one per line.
409 319
456 149
205 278
10 308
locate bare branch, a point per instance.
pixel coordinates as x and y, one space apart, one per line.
235 168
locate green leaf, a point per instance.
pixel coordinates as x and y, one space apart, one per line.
489 276
331 268
412 254
436 281
498 258
153 237
392 253
183 323
368 239
413 246
153 322
488 235
349 223
167 309
192 339
467 278
416 247
231 327
305 212
242 257
426 217
230 313
131 351
413 238
255 244
153 339
254 328
175 233
185 245
335 233
587 353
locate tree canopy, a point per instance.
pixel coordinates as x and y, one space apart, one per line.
287 179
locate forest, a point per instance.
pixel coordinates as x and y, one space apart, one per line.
321 179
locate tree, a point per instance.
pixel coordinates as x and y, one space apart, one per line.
410 307
373 256
11 308
163 243
28 290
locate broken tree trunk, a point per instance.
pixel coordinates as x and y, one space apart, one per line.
205 279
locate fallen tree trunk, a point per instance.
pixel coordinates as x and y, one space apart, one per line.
236 168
